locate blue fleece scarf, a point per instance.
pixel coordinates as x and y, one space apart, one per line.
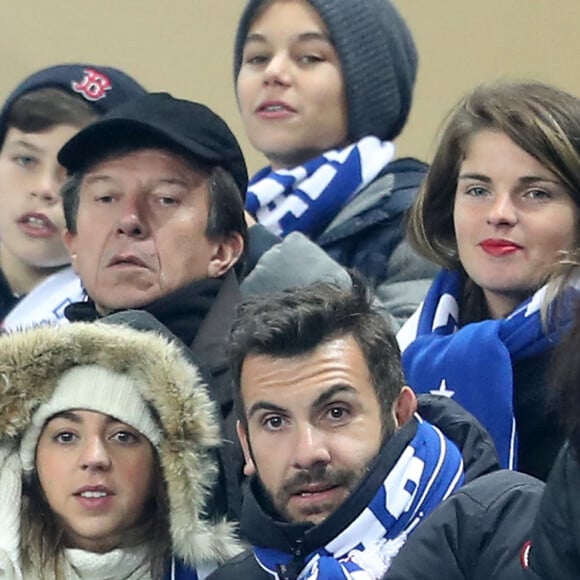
474 365
306 198
428 471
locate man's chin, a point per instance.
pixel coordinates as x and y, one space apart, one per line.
131 301
312 509
314 518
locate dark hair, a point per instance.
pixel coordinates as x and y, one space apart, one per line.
296 321
226 206
565 365
565 379
43 109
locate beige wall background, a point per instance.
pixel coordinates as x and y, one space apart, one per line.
184 47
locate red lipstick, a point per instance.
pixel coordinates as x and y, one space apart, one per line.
499 247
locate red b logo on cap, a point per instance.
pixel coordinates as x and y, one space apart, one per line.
93 86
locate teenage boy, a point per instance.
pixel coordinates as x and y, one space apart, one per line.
39 116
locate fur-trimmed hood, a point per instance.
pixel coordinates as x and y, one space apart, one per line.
32 361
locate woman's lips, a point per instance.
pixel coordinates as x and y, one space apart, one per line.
95 497
499 247
274 110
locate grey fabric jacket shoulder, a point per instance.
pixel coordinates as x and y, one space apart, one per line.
367 235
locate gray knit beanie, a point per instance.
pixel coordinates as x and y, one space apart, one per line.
377 55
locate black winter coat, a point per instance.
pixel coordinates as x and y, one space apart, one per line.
555 551
479 533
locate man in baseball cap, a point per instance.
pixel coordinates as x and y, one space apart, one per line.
156 231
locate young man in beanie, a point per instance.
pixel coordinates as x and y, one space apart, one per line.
324 87
156 231
345 464
38 117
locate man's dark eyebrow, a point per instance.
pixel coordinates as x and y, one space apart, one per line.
264 406
303 37
330 393
91 178
322 399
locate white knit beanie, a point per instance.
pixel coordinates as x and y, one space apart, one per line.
91 388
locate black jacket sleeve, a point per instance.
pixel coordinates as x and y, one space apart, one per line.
241 567
555 552
480 532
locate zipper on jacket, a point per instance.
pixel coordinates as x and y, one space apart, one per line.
291 570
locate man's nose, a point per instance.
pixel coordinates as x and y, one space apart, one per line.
310 448
131 220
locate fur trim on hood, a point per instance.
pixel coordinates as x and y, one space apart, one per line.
31 363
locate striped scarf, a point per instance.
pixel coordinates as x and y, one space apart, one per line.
306 198
428 471
473 364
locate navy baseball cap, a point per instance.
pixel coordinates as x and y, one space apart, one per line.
103 87
160 119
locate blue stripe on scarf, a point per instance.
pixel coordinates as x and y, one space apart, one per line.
306 198
474 365
429 470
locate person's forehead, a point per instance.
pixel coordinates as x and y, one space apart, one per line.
141 158
304 378
53 137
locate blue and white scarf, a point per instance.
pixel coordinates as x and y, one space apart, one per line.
306 198
428 471
474 365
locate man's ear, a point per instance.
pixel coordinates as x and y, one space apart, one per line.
225 255
404 406
249 466
69 240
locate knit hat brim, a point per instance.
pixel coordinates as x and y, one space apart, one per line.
91 388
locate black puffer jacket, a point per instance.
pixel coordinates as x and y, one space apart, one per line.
480 533
555 551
